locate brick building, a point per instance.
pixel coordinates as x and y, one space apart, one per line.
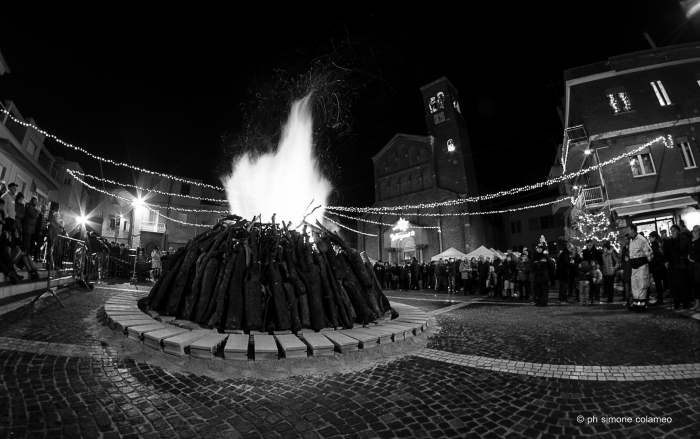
525 227
616 106
414 169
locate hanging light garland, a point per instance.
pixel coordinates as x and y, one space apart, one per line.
102 159
668 142
150 205
346 227
380 223
106 180
177 221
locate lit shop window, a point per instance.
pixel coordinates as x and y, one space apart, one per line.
661 94
642 164
687 153
619 101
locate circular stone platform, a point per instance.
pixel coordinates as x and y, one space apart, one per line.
193 347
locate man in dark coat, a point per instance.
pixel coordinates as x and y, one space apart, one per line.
31 214
564 267
415 271
540 266
592 253
676 252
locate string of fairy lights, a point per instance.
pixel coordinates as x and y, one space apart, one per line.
349 228
379 223
385 210
668 142
157 191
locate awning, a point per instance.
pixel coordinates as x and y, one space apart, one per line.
652 206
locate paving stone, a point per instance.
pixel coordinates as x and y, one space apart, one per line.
383 337
206 346
237 347
265 347
155 339
179 344
136 332
319 345
290 346
342 342
367 341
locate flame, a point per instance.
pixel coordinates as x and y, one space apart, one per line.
282 183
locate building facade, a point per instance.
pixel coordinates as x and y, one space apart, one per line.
422 169
625 105
525 227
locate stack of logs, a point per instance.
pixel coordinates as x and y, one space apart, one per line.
246 275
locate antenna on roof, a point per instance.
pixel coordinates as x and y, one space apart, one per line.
651 42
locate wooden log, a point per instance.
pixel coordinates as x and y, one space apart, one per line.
326 271
358 269
300 289
220 300
316 311
208 282
234 314
168 278
207 233
200 270
252 289
279 298
181 279
384 303
165 268
215 291
338 269
293 307
327 294
356 295
346 300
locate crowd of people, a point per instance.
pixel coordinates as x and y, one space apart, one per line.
27 234
585 275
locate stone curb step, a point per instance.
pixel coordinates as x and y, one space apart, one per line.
179 338
14 296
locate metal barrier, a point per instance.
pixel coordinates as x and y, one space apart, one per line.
66 257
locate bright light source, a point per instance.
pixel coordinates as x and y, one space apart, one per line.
138 202
575 187
586 151
450 145
82 220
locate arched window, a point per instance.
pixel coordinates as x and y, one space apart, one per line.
413 155
394 187
425 154
427 178
402 150
383 190
392 163
405 185
415 181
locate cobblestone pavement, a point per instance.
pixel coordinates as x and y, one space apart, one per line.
59 381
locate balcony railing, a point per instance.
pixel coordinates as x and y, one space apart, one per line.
152 227
592 196
572 137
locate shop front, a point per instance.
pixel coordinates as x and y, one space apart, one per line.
405 241
660 214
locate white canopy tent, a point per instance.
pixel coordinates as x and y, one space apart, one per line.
449 253
481 251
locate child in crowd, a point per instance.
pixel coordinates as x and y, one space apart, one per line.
597 281
583 278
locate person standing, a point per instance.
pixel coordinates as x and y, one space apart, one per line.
415 271
564 268
640 253
676 251
29 225
42 229
424 278
464 271
609 267
378 269
19 212
583 278
10 212
574 262
540 267
591 253
626 269
155 263
450 275
694 257
439 275
386 276
657 266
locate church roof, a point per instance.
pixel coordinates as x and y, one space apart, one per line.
443 79
422 139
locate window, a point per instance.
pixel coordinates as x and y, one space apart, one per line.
515 227
31 147
185 189
618 100
534 224
125 225
661 94
642 164
687 154
547 222
183 218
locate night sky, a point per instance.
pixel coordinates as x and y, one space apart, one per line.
167 91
